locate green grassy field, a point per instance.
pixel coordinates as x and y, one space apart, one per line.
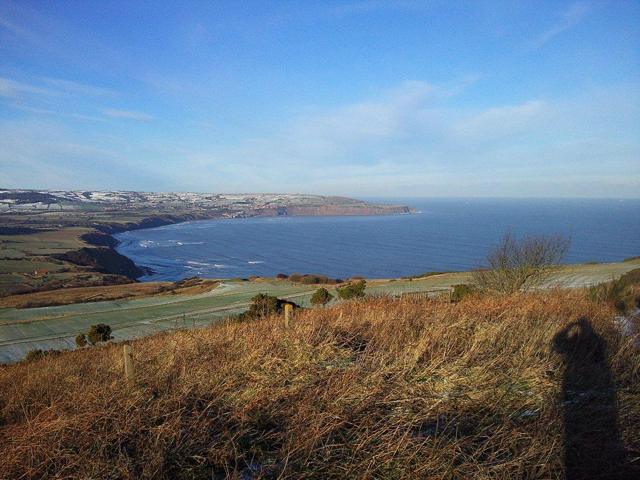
23 266
10 278
43 243
24 254
55 327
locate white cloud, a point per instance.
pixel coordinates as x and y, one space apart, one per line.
53 87
359 132
414 139
502 122
16 30
411 140
12 89
576 12
42 111
130 115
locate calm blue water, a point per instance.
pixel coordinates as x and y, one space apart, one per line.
448 234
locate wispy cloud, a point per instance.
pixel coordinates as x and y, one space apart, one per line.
16 30
415 139
57 94
570 18
130 115
357 131
502 122
51 87
21 35
12 89
42 111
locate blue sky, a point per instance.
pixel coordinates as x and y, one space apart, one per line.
360 98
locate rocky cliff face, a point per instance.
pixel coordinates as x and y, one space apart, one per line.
155 221
104 260
328 210
303 210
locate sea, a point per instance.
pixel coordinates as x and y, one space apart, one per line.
447 234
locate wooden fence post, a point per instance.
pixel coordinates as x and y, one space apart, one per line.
128 365
288 309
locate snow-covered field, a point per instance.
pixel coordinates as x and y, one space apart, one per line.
26 200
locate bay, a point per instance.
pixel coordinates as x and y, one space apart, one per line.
446 235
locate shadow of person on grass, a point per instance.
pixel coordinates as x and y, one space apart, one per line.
592 446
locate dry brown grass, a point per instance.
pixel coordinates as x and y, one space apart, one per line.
67 296
378 388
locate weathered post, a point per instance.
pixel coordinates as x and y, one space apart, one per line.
450 294
128 365
288 309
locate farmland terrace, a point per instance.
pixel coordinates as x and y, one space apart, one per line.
154 307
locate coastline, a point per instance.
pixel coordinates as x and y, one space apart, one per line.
102 239
68 241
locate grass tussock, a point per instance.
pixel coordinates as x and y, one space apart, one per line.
525 386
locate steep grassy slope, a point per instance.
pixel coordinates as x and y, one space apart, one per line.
51 327
539 385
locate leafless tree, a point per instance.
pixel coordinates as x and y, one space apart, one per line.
520 264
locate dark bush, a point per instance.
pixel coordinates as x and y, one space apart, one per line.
615 293
460 291
309 279
321 297
352 290
315 279
81 340
295 277
99 333
265 305
37 354
282 276
632 277
33 355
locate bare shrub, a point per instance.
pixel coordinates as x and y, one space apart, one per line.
520 264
